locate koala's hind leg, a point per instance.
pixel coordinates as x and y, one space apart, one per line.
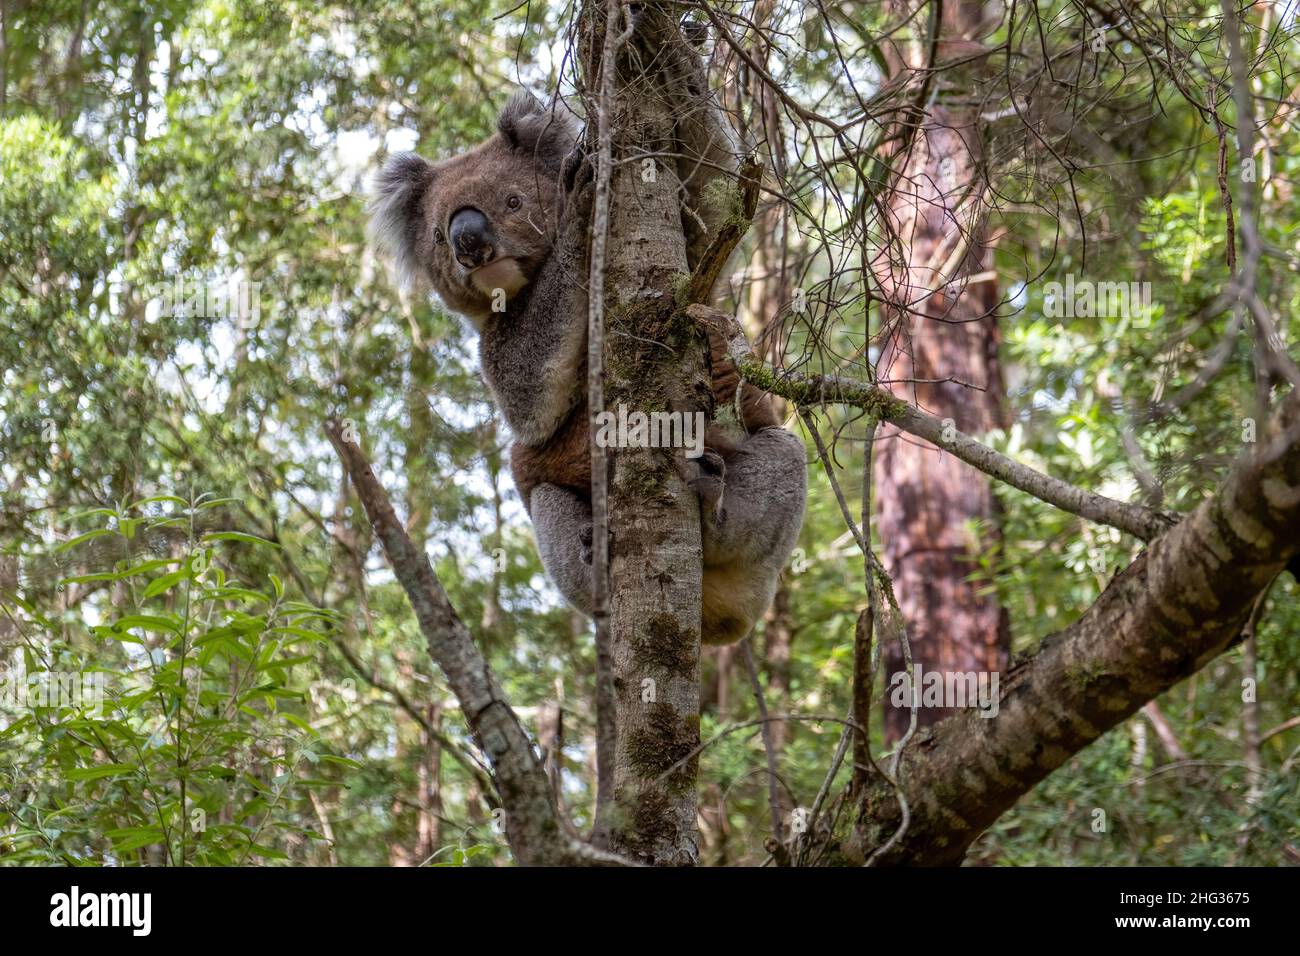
562 525
749 533
762 504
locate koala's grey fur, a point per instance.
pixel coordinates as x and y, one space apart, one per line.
747 533
396 226
533 357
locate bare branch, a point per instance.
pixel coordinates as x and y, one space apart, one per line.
1173 610
537 834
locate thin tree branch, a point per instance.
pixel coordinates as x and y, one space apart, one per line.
1279 729
606 724
807 391
537 834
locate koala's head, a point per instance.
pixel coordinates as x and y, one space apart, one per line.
478 226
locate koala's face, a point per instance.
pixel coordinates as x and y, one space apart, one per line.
486 226
477 227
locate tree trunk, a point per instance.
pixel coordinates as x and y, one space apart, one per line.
654 519
940 353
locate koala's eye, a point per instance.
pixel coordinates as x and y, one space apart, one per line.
438 236
514 202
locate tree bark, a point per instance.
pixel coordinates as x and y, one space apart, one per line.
940 331
652 363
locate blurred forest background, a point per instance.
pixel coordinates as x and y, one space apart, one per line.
174 520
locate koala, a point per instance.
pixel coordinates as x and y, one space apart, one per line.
499 233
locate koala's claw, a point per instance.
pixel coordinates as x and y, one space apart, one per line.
578 169
585 539
707 477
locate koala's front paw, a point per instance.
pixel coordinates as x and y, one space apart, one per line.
719 327
584 542
576 204
577 170
707 477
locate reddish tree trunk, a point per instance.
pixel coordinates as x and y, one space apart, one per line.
935 514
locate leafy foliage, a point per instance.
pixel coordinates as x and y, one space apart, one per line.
176 534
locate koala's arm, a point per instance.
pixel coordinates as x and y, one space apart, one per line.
708 148
534 357
754 410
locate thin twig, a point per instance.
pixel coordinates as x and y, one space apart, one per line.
774 802
606 727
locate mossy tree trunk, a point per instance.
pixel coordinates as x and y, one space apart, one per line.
652 363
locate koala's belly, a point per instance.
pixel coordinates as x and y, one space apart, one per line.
565 460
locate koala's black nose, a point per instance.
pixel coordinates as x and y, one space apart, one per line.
471 238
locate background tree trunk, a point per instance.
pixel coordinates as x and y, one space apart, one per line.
940 353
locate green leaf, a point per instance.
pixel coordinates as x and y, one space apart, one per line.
142 568
156 499
299 723
217 502
100 772
134 837
150 622
283 662
165 583
301 632
225 593
341 761
238 536
82 538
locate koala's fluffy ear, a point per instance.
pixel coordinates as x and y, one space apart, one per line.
545 133
397 215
